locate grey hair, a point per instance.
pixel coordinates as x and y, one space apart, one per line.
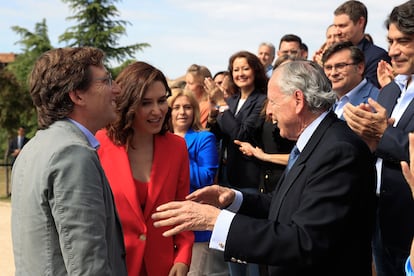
308 77
270 45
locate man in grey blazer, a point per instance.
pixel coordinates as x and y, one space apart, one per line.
344 65
64 220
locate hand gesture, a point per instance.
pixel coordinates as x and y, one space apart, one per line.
185 216
385 73
214 195
369 121
247 149
179 269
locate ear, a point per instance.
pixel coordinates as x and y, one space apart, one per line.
299 101
77 97
361 68
361 22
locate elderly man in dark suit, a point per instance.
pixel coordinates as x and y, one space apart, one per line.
64 220
319 219
384 125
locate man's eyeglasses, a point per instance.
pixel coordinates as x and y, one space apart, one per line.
107 80
339 66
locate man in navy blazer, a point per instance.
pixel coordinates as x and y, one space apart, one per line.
319 219
17 143
344 65
385 125
350 20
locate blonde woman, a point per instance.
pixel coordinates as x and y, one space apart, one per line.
201 145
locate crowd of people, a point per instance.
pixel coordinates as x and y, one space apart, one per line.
277 165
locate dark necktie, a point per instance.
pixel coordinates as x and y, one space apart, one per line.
294 154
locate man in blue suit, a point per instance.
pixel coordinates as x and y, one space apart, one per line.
384 125
350 20
344 65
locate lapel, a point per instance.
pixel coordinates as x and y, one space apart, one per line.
160 169
121 175
407 115
388 97
289 179
249 101
232 102
190 138
362 95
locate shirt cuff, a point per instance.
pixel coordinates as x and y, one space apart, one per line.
221 229
238 200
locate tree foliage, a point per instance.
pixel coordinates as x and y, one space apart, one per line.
15 102
33 45
97 27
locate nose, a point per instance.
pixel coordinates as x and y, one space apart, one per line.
181 110
393 50
116 89
156 109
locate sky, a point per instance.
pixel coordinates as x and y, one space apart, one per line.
204 32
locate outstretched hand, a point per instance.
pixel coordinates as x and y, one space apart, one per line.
185 216
214 195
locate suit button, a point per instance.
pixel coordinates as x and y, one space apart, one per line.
142 237
233 260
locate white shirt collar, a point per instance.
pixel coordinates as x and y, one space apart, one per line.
308 131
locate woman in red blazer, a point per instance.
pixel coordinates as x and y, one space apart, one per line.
146 167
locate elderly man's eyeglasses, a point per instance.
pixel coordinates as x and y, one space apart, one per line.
107 80
339 66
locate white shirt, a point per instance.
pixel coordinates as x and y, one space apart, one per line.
225 218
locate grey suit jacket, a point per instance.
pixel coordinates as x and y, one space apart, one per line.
64 220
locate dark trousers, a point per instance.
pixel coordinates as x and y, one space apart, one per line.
388 261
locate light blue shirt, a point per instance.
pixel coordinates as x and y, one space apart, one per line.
339 109
226 216
408 268
269 71
91 138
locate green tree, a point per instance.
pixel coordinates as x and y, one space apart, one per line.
15 101
33 45
97 28
15 108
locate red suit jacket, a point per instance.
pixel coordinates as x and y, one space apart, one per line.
169 181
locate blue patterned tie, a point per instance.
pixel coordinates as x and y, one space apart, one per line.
294 154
